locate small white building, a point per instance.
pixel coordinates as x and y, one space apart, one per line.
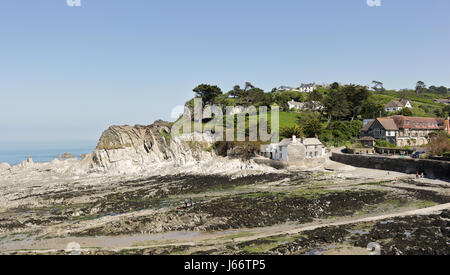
295 150
312 105
283 89
397 105
307 88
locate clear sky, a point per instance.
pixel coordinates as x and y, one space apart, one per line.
67 73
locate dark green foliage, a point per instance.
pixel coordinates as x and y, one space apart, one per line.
438 90
336 105
207 92
339 133
420 87
356 96
384 143
288 132
315 96
371 108
313 127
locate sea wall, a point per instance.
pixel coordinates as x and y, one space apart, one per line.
431 168
278 164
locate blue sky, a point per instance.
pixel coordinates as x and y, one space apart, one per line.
67 73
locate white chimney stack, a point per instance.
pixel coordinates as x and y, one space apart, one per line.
294 138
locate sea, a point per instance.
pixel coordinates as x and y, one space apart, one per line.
14 157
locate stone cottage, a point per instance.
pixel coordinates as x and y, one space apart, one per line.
295 150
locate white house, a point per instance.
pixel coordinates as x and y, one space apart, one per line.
283 89
313 105
307 88
295 150
397 105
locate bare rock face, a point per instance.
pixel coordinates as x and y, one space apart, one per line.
66 156
127 148
4 166
27 163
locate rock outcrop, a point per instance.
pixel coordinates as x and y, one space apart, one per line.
28 163
4 166
129 149
142 151
66 156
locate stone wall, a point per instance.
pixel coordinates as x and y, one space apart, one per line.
279 164
431 168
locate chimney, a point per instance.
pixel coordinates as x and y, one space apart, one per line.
294 138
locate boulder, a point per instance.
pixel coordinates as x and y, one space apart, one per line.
4 166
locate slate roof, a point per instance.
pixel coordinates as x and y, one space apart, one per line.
397 103
394 123
310 85
367 126
421 123
388 123
367 139
306 141
445 101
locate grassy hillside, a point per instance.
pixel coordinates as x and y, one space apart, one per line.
423 104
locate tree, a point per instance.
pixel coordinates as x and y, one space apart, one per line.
254 96
406 112
248 86
406 93
288 132
334 86
336 105
438 90
371 108
313 127
439 145
236 92
442 112
420 87
446 111
377 86
207 92
355 95
314 96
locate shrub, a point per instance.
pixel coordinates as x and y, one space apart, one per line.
439 145
288 132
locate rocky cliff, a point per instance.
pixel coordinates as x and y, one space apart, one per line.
127 148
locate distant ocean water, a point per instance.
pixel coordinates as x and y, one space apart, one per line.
14 157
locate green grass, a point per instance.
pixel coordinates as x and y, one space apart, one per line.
423 105
286 119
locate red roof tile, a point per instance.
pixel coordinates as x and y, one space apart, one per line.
421 123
